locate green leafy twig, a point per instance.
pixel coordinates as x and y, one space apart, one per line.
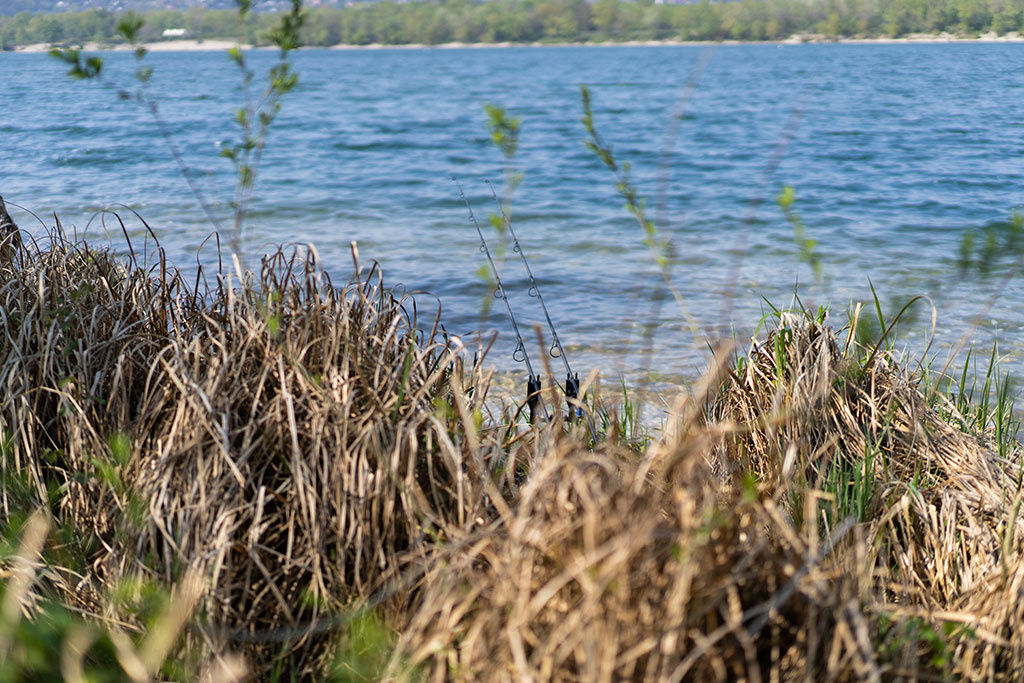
255 117
82 67
635 204
505 136
662 250
806 246
504 131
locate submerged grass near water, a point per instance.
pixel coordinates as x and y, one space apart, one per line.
266 476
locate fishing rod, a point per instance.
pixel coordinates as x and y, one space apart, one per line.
572 379
533 398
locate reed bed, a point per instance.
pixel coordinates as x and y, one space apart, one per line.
298 457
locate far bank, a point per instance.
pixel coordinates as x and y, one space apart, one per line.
214 45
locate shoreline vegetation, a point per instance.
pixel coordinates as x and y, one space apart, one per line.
265 476
220 45
544 22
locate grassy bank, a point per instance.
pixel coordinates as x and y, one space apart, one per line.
270 476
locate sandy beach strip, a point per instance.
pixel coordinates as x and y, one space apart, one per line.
213 45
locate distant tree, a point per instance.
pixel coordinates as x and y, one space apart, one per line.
558 19
975 16
702 22
48 28
1007 20
605 16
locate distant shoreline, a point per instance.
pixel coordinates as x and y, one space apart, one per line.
215 45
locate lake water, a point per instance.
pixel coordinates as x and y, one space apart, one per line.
894 150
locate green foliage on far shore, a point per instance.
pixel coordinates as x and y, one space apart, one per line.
545 20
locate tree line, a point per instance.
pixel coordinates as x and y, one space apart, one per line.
473 21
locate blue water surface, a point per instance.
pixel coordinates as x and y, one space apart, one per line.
895 152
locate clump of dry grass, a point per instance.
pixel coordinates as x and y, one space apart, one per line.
606 572
823 522
836 431
297 444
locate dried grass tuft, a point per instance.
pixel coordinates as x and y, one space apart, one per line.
838 431
298 444
614 568
824 522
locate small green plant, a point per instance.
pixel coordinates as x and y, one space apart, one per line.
365 648
997 241
850 483
980 405
806 246
915 633
48 642
621 422
876 334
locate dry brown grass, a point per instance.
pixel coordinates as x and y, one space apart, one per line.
309 450
939 509
296 443
750 546
603 576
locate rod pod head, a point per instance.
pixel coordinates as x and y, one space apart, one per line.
533 395
572 392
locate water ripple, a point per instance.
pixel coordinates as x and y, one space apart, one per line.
899 151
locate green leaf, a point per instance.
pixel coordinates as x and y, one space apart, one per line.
966 250
93 66
68 56
245 175
128 26
786 197
504 129
120 447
